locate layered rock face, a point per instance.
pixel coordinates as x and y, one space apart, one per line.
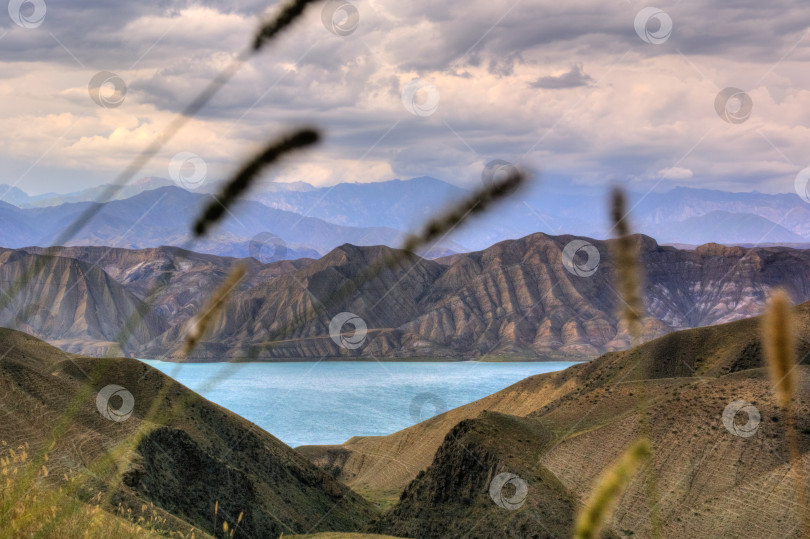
516 299
75 305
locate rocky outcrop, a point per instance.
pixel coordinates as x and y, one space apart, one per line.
452 497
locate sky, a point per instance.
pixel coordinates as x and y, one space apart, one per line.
582 91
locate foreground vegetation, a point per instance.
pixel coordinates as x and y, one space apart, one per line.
37 512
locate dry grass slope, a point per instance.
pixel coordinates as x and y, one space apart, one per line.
200 456
711 483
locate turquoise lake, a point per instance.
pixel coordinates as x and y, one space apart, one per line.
329 402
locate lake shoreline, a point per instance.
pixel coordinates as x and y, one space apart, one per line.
328 402
418 359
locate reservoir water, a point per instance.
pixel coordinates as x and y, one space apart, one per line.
330 401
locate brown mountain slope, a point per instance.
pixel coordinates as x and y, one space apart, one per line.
451 498
514 299
279 309
184 279
184 466
73 304
384 465
709 482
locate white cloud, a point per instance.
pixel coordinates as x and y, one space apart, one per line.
675 173
567 88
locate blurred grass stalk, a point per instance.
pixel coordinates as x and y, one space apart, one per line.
779 338
199 325
609 487
628 273
628 276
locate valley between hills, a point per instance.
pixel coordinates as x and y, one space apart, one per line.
515 300
556 431
404 270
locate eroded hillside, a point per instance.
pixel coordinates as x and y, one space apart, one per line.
516 299
559 431
194 456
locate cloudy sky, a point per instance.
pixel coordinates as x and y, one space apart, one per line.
585 91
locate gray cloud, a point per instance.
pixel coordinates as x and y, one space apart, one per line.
493 63
570 79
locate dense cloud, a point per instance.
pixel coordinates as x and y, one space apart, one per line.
570 79
569 88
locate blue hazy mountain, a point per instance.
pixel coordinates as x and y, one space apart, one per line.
724 227
317 219
681 215
163 216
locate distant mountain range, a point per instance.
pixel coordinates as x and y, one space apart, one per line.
163 217
516 299
16 196
383 212
682 215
